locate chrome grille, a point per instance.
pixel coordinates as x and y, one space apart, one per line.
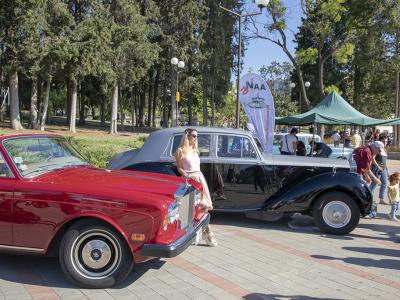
185 194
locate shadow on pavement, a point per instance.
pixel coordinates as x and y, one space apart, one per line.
46 271
393 264
240 220
388 230
289 223
390 233
259 296
377 251
139 270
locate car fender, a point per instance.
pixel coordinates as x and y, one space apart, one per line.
301 196
112 222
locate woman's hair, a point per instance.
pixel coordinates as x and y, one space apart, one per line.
394 176
184 145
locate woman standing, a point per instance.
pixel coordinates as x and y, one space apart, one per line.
188 164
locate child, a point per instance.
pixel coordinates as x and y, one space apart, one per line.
394 195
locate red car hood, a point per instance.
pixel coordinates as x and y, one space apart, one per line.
90 180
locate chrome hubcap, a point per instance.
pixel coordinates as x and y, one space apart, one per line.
336 214
95 254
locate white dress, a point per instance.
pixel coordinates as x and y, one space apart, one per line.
191 165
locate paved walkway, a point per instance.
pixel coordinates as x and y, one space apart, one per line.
254 260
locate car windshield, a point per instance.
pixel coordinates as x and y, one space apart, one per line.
34 156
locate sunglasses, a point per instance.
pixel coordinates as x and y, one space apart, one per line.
193 136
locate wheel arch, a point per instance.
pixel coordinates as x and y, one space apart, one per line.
52 249
338 189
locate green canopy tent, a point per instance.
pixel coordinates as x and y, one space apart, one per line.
334 110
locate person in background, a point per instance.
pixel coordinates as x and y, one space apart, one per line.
356 139
363 157
363 137
375 135
301 149
289 143
311 129
347 138
394 195
188 165
320 149
336 139
379 168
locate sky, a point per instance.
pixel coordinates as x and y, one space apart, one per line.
261 52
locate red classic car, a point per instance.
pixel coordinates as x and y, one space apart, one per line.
100 222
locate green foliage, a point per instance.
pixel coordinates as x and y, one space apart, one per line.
332 88
99 150
306 56
344 53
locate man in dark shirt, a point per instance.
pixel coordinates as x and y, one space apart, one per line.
320 149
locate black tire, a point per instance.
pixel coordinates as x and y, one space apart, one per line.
108 259
336 213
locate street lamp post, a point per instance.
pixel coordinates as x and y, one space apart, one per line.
177 97
261 4
306 84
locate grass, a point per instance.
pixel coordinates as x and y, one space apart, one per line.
99 150
95 144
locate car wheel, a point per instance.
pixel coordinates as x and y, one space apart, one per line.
336 213
94 255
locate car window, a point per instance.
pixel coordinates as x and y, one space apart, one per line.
37 155
4 169
235 146
204 142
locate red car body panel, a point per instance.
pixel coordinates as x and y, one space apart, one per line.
33 210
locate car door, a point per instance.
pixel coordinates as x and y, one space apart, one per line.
7 183
245 181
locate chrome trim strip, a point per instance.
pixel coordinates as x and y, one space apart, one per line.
7 247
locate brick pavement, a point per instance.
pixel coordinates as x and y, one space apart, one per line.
254 260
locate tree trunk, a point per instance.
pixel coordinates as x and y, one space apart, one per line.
45 105
34 101
190 113
357 88
213 104
165 107
133 107
174 121
205 112
2 92
69 98
121 106
156 83
102 111
14 100
320 76
142 104
397 127
114 111
82 104
74 94
150 99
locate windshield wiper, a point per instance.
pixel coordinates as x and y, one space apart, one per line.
50 167
38 170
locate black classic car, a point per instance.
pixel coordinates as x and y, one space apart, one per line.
243 179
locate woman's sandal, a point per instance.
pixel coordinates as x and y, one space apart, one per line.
210 239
